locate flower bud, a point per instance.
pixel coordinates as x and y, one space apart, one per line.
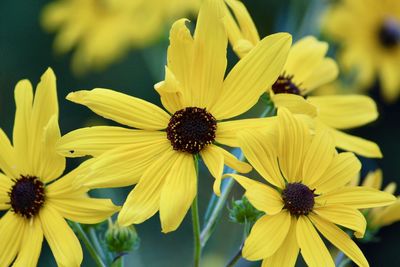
242 211
121 239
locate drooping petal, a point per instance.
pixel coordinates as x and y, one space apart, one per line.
122 108
124 165
345 111
178 192
356 144
5 186
7 156
357 197
23 102
326 72
343 215
171 92
209 55
144 200
343 168
63 243
214 160
227 131
287 254
31 246
318 157
266 236
94 141
83 209
295 103
259 149
340 240
234 163
311 245
252 76
12 228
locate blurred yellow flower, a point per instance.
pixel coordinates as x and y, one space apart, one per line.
36 199
102 31
369 34
307 191
160 151
307 68
382 216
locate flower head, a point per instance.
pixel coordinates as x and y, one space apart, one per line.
308 68
370 45
197 96
36 197
306 190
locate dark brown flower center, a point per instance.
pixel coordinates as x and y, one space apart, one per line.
27 196
389 33
191 129
298 199
285 85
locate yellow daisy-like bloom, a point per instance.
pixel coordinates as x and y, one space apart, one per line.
307 68
36 199
306 189
382 216
198 95
369 34
102 31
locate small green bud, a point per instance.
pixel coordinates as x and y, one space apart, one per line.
121 239
242 211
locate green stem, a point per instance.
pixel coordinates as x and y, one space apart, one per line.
85 239
118 262
196 224
96 243
341 260
235 258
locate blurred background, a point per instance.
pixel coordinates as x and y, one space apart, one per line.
27 49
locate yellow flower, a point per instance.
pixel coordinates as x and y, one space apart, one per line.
369 34
306 189
36 198
307 68
382 216
161 150
102 31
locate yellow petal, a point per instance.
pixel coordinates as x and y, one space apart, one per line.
264 198
63 243
242 180
144 200
388 215
31 246
171 92
43 133
294 138
266 236
180 61
358 197
227 131
373 179
12 227
356 144
7 156
178 192
311 245
251 76
304 57
319 156
214 160
345 111
5 186
343 215
94 141
340 240
83 209
326 72
259 149
342 170
51 164
22 126
234 34
232 162
389 80
209 55
122 108
287 254
295 103
124 165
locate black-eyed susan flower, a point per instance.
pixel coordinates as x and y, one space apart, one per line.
200 102
102 31
35 196
306 191
381 216
368 32
307 68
